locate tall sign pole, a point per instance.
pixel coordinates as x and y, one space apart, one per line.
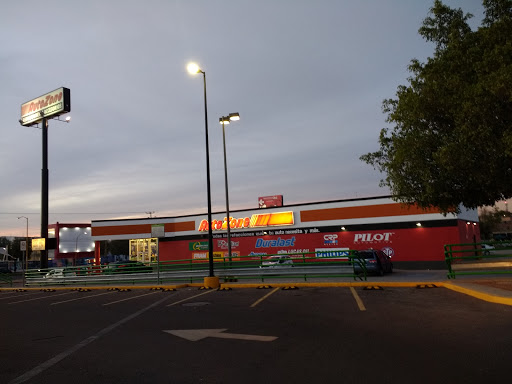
40 109
44 194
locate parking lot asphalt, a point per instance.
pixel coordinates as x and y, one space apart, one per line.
311 334
496 289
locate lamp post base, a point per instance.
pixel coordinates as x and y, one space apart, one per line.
211 282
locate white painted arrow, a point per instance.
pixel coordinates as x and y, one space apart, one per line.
199 334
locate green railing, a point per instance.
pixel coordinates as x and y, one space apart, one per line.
304 266
487 258
6 278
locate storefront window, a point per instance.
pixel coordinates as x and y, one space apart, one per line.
144 250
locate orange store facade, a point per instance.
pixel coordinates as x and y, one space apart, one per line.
410 235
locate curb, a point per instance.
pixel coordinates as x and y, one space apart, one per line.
480 293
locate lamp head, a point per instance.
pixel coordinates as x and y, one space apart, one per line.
234 116
193 68
224 120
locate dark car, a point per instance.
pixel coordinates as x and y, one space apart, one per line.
375 261
130 266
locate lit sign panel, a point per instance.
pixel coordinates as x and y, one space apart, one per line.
38 244
51 104
270 201
255 221
198 246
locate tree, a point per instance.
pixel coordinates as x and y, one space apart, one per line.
451 140
490 221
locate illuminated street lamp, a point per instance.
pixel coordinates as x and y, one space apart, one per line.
194 69
226 120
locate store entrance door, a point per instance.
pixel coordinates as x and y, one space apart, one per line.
144 250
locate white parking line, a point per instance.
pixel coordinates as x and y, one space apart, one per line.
54 360
80 298
130 298
14 294
359 302
188 298
263 298
41 298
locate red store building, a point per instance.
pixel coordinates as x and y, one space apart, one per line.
413 237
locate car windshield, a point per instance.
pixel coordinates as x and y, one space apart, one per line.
366 255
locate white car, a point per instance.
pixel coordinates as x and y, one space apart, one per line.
487 249
59 273
277 261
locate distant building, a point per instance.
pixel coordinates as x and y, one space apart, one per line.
73 244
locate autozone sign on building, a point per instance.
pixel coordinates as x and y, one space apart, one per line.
255 221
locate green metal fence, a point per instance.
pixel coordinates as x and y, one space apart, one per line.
487 258
6 278
261 267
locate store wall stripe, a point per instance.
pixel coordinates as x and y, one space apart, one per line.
379 210
141 228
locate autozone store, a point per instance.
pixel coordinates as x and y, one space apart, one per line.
410 235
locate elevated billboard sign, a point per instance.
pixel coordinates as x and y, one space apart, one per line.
51 104
270 201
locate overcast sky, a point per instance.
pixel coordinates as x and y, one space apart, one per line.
307 77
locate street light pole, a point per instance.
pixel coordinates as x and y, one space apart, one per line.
76 246
193 68
26 252
226 120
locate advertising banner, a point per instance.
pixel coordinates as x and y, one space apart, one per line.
408 244
270 201
38 244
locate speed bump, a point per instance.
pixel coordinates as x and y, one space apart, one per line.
264 287
421 286
373 288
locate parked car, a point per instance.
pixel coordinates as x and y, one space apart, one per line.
487 248
59 273
375 261
277 261
130 266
